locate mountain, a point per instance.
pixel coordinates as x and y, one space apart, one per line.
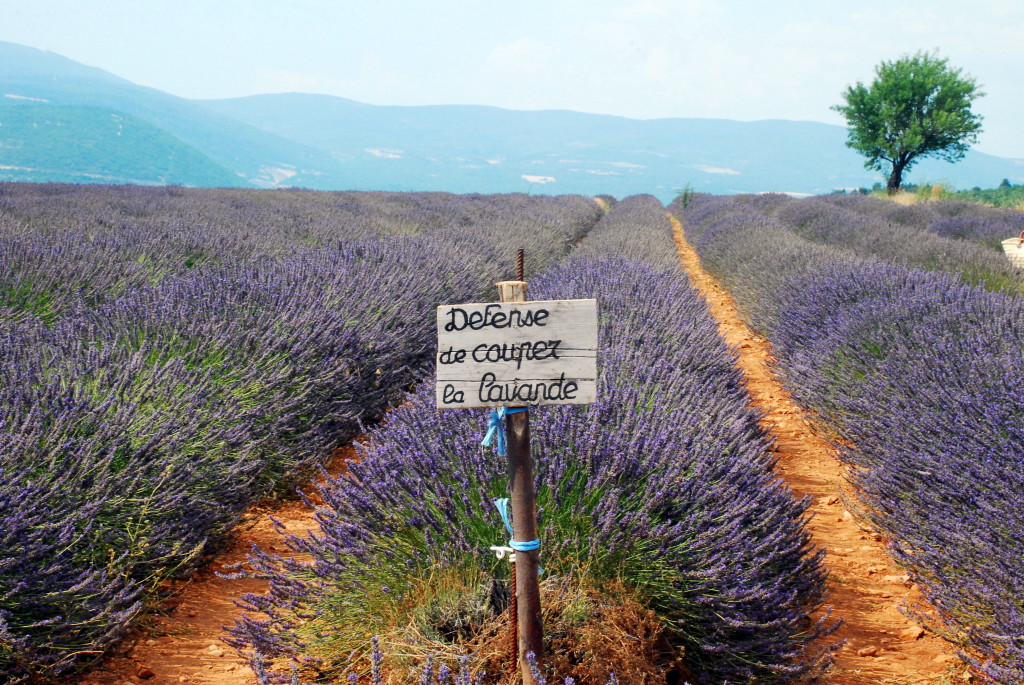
325 142
72 144
30 77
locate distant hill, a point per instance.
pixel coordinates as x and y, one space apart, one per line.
324 142
33 77
487 149
98 145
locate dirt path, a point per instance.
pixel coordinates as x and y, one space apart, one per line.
183 645
865 587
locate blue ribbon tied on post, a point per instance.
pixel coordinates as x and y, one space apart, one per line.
495 433
502 505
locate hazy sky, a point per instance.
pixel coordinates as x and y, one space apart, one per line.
745 59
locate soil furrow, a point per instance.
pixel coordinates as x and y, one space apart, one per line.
866 589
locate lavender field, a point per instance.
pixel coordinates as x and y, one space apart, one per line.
169 356
910 354
956 219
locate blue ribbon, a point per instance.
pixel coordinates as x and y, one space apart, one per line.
494 428
502 505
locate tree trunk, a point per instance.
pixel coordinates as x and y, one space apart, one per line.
895 178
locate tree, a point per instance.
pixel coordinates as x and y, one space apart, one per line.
917 106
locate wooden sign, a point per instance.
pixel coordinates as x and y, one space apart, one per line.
516 354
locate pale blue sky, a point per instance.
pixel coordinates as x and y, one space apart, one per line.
746 59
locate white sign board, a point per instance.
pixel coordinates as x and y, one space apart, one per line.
516 354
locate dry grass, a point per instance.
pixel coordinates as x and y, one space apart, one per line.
587 635
904 198
616 635
924 193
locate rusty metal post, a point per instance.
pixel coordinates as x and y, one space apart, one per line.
513 623
524 515
524 529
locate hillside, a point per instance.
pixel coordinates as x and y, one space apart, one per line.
75 144
32 77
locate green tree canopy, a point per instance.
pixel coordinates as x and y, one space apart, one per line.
917 106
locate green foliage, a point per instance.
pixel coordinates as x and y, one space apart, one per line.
917 106
930 191
686 194
1004 196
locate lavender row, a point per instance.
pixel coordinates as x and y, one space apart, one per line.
634 230
921 375
664 484
60 243
821 221
140 416
832 221
958 219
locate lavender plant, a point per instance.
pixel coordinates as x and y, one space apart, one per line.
664 485
61 242
921 374
167 356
